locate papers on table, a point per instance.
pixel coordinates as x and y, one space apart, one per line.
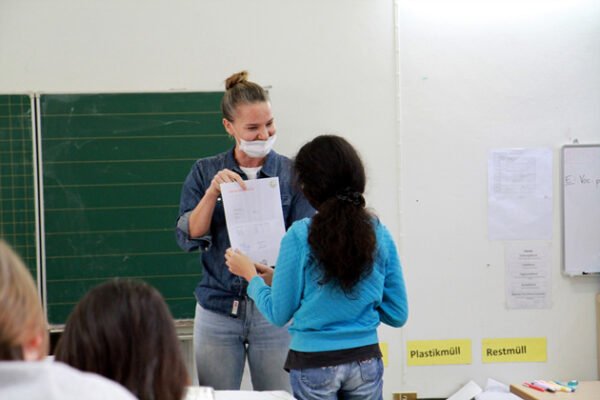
254 218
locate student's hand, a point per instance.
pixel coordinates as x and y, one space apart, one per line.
224 176
239 264
265 272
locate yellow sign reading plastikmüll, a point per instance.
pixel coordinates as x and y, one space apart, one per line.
513 350
383 346
438 352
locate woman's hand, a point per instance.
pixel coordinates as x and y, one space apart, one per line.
265 272
224 176
239 264
201 216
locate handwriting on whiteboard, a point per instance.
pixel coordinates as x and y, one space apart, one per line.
582 179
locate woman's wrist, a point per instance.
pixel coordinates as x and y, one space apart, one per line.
250 275
212 193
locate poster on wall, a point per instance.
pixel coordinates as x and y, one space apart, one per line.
520 194
528 283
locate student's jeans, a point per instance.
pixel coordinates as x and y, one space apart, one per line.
222 343
356 380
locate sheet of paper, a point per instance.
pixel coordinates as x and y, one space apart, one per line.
254 218
467 392
199 393
520 194
528 275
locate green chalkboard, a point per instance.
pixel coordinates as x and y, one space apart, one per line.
17 178
113 166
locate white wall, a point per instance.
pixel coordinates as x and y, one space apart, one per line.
474 76
477 76
331 64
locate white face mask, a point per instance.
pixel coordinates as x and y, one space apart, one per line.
257 148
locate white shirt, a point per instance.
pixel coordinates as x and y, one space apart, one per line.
251 172
48 380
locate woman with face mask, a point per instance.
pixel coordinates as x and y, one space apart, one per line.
228 329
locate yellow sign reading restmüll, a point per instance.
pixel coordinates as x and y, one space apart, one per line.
513 350
438 352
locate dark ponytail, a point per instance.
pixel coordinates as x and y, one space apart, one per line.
342 237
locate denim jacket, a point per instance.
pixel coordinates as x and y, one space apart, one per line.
218 288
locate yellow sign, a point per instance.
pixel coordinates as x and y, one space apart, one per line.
438 352
383 346
513 350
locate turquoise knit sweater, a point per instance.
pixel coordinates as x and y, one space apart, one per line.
324 317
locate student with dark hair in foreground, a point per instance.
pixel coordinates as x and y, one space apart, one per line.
24 372
337 277
123 330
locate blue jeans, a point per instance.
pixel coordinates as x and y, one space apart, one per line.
356 380
222 343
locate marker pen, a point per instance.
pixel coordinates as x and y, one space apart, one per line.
529 385
562 387
545 385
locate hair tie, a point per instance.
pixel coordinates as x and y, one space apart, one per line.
351 196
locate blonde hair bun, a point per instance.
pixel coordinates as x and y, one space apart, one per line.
236 78
240 91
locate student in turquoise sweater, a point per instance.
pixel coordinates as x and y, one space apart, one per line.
337 277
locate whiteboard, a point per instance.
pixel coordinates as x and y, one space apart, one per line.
581 209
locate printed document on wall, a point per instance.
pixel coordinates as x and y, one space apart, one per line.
520 194
254 218
528 282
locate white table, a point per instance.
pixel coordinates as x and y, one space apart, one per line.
204 393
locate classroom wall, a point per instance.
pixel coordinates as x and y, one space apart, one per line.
477 76
471 78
